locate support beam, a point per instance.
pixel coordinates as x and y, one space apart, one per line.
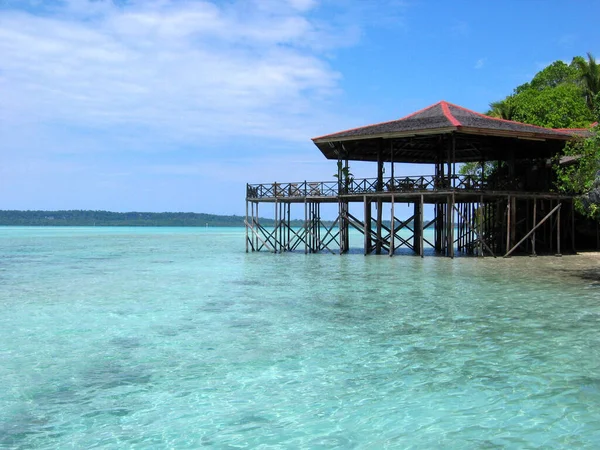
556 208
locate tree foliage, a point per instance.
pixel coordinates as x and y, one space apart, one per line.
590 78
556 97
562 106
564 96
128 219
503 109
582 176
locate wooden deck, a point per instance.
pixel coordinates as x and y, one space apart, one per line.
470 217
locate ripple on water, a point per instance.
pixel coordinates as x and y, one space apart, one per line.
172 344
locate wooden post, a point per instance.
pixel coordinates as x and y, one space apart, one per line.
513 220
573 225
551 230
558 233
451 226
534 226
257 218
379 201
508 214
480 225
246 221
421 228
289 226
367 225
378 225
452 181
346 226
418 226
393 230
306 235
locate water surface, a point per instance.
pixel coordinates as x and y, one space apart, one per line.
176 338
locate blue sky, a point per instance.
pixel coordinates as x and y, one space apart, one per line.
158 105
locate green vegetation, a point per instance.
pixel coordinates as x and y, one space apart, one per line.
128 219
557 97
583 175
560 96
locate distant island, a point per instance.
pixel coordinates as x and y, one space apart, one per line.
127 219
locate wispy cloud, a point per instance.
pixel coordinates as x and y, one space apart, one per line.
177 70
128 104
480 63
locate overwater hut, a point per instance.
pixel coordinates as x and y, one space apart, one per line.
514 209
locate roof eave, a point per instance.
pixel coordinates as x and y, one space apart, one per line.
400 134
516 134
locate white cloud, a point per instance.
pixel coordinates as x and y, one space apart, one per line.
480 63
179 71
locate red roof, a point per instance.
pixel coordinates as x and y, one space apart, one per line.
447 117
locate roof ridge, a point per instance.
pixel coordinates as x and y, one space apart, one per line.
501 120
453 120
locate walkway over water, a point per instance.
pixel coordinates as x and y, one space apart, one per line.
470 216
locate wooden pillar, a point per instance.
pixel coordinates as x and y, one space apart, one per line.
508 215
452 181
319 240
558 233
418 226
448 158
527 225
257 218
379 201
246 223
481 227
380 169
346 227
367 225
275 229
289 225
551 228
393 228
451 226
513 221
306 233
573 225
378 226
534 224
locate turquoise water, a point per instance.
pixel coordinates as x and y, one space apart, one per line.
176 338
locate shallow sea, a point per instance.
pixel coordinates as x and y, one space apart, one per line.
176 338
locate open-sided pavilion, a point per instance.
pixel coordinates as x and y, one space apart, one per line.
514 209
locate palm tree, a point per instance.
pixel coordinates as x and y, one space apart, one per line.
502 109
590 77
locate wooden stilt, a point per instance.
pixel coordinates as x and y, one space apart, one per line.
367 225
421 230
558 232
451 226
573 226
246 222
393 230
534 227
378 225
508 214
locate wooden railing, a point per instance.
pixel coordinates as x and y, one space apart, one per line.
364 186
